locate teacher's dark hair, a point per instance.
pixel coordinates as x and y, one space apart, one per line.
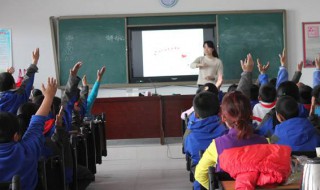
211 45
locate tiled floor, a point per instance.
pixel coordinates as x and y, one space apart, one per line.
142 164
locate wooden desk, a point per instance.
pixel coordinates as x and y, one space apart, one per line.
143 117
229 185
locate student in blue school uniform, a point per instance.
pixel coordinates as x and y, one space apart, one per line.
206 126
267 101
12 98
283 87
269 122
294 131
21 158
94 91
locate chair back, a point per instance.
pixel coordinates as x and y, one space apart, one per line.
14 184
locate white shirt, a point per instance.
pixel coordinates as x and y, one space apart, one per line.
214 68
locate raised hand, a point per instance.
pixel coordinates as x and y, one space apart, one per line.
262 68
49 92
35 56
10 70
75 69
317 62
84 81
100 73
51 89
299 66
283 59
59 116
247 64
313 105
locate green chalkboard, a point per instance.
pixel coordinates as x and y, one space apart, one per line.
96 42
261 34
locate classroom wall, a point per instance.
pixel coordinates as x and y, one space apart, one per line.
29 21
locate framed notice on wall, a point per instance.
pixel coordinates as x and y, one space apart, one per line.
5 49
311 42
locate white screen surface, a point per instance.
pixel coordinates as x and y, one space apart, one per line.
170 52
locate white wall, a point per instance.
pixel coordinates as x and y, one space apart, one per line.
29 21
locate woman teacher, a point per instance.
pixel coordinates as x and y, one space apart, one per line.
210 66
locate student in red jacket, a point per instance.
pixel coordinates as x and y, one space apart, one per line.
236 113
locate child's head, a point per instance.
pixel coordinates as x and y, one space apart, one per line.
206 104
267 93
232 88
56 103
286 108
8 127
24 114
236 113
6 81
210 88
288 88
316 94
305 93
273 81
254 92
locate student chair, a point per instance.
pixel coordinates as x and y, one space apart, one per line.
14 184
215 178
184 124
309 154
42 176
73 144
103 128
55 173
89 126
82 147
98 138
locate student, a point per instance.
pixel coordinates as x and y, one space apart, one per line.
12 98
69 97
34 93
282 73
267 97
210 66
206 87
21 158
204 128
294 131
269 122
254 94
94 91
80 106
236 113
305 93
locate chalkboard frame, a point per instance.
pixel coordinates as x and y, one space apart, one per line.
55 29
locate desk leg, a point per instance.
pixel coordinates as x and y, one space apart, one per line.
161 120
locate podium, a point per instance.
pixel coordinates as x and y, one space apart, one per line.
143 117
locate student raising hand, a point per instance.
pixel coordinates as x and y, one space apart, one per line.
283 59
100 73
84 80
49 92
75 69
262 68
299 66
10 70
247 64
59 116
35 56
317 62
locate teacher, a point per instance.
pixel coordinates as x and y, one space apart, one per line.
210 66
